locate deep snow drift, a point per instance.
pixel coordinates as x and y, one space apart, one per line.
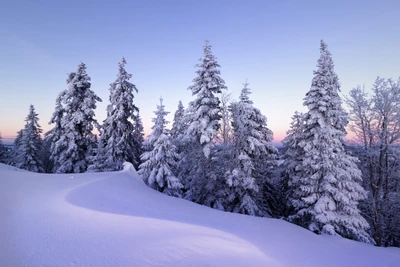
114 219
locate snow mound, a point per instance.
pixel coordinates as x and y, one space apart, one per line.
130 170
110 219
4 167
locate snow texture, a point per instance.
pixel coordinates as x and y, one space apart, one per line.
114 219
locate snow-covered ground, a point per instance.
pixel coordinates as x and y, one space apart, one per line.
114 219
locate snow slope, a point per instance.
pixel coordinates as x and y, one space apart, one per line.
114 219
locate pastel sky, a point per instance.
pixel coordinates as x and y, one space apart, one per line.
272 44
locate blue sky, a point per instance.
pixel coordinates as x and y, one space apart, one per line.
274 44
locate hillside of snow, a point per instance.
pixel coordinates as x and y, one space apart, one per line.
114 219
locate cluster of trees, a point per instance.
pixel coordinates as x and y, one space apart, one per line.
348 189
71 146
375 120
218 152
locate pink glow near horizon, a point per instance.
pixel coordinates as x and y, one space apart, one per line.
278 136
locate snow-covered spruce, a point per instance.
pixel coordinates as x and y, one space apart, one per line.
73 140
291 156
45 152
159 161
205 110
324 185
251 144
55 134
15 151
138 139
178 126
117 132
202 119
30 144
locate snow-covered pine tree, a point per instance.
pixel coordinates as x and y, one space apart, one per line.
178 126
56 133
202 118
252 142
325 186
117 131
98 161
296 128
45 153
15 151
177 133
30 144
158 127
291 156
92 153
17 140
138 137
205 109
73 141
161 158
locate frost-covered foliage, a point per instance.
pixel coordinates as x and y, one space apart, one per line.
225 131
138 138
55 134
45 153
290 140
159 161
178 126
205 110
15 151
202 118
117 132
72 137
375 120
159 123
98 159
292 154
252 142
30 144
325 184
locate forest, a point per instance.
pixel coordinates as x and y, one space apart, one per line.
219 151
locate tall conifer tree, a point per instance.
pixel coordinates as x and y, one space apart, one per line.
252 142
28 157
73 140
325 183
178 126
202 119
138 137
160 160
117 132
